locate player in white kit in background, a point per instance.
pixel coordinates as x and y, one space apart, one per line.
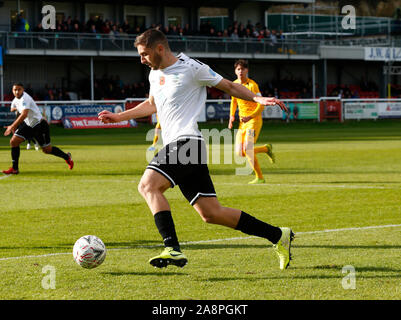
178 94
29 125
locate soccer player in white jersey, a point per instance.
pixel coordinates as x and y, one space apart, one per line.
29 125
178 95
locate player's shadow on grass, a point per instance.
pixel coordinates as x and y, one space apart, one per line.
335 268
279 171
75 173
357 181
157 273
324 246
357 269
298 277
205 246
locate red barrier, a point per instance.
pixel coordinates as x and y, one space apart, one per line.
330 109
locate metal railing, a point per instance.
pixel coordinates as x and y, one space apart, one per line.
125 43
104 42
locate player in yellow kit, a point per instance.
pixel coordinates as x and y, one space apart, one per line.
250 115
158 130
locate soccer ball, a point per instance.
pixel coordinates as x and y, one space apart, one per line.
89 252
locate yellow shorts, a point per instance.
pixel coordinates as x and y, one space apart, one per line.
247 131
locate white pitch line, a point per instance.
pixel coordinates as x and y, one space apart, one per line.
5 177
215 240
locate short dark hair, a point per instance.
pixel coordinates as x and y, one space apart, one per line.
241 62
150 38
18 84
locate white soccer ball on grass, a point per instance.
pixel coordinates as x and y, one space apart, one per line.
89 252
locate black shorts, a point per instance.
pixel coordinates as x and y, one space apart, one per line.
184 163
40 132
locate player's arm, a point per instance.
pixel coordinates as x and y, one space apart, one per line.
11 128
233 109
144 109
239 91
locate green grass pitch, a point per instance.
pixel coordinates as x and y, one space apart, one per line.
330 183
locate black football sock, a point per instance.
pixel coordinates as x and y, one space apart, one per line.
58 153
252 226
15 152
165 225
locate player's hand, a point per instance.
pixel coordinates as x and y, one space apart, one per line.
270 102
246 119
9 129
230 123
108 117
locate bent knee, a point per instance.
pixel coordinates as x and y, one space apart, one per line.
209 215
207 218
145 188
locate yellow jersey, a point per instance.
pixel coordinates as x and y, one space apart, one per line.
247 108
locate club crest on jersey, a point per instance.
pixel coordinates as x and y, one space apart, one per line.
162 80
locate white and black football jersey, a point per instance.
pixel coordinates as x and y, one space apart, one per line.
180 95
26 102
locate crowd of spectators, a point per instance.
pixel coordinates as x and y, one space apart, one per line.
113 88
48 93
235 31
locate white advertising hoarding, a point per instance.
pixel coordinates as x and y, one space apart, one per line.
389 109
382 54
356 110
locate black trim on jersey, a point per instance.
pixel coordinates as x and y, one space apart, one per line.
197 61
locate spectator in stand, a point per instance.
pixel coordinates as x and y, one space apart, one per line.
20 24
248 34
255 32
241 31
249 25
137 30
122 32
268 37
125 27
355 95
212 33
173 30
230 30
234 35
68 26
273 37
261 35
187 30
305 94
76 28
38 28
92 29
